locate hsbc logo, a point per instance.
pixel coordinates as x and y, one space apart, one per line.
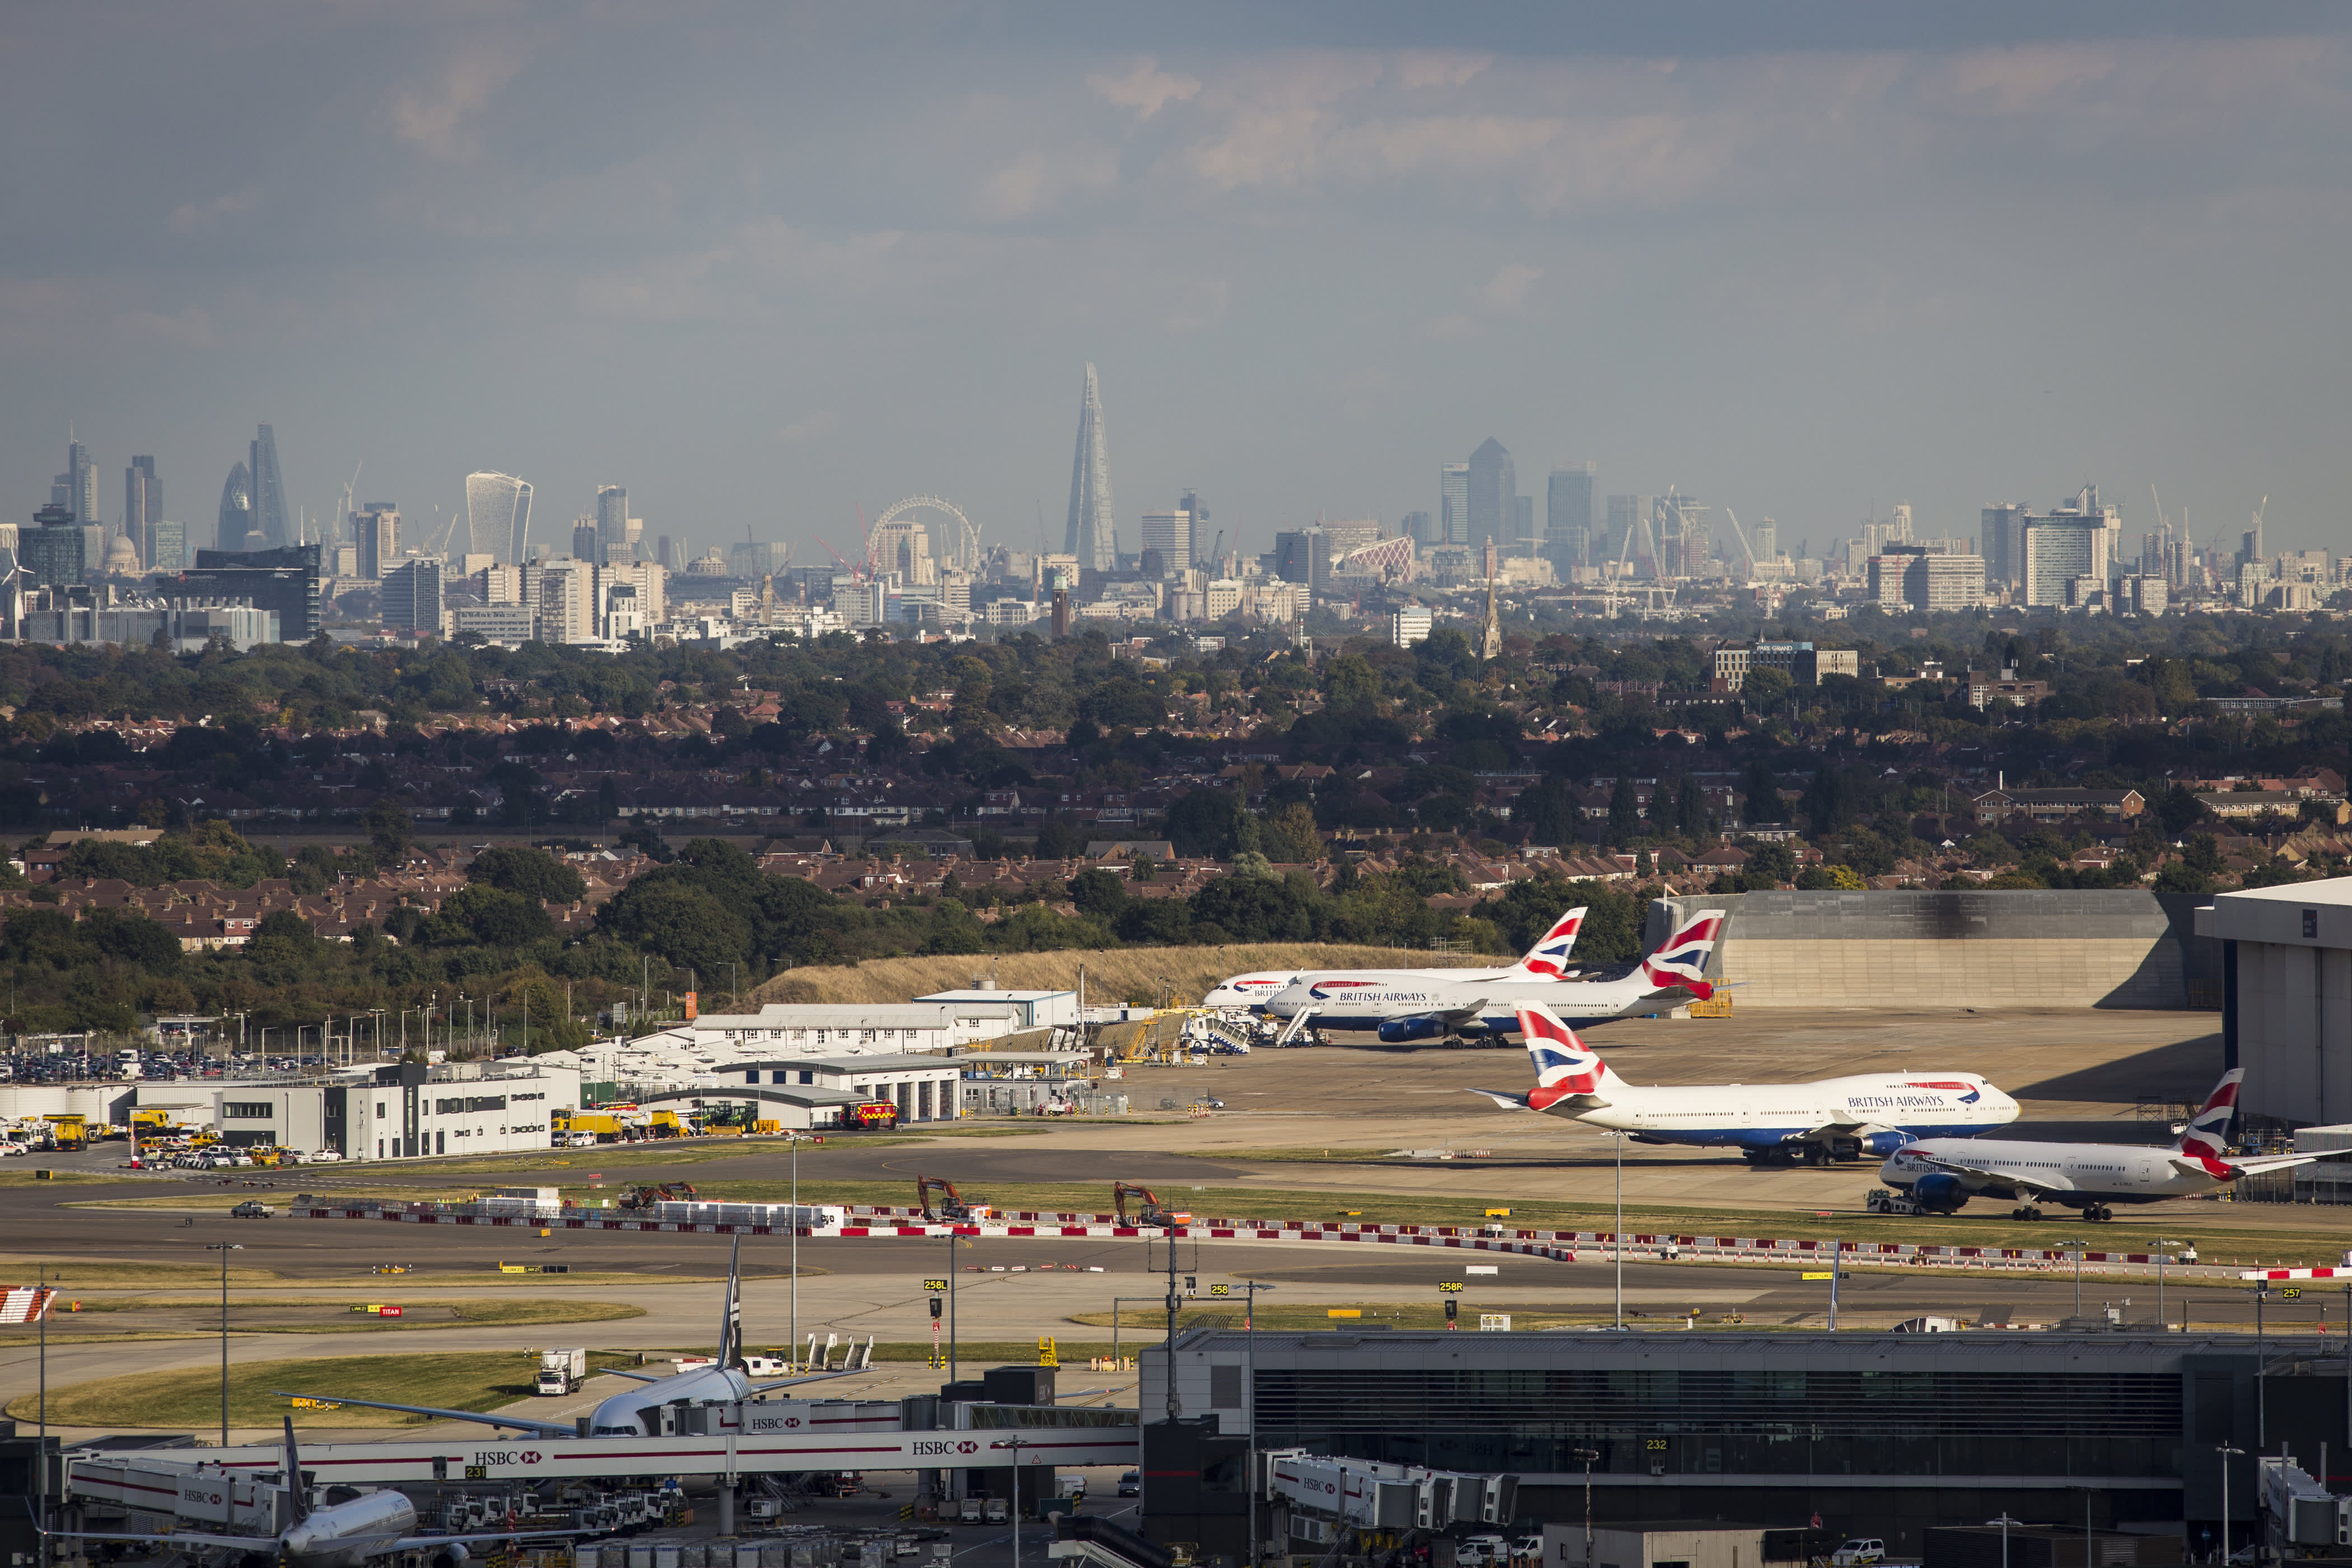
967 1448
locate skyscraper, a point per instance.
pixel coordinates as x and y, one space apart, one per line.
1567 517
411 597
1421 529
612 520
268 492
235 510
1494 493
584 534
81 483
142 506
1190 504
1628 534
375 530
53 550
1093 533
1453 503
1171 534
497 514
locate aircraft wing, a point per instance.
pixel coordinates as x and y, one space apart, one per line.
636 1376
2005 1178
1503 1097
812 1377
268 1544
519 1423
421 1542
2263 1163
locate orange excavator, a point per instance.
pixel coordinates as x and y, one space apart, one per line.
951 1209
646 1197
1151 1211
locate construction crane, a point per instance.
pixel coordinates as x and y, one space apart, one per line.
1151 1213
1745 548
952 1210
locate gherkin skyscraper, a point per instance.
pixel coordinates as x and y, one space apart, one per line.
1094 524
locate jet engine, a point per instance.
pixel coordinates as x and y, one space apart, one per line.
1941 1192
1887 1142
1397 1031
453 1555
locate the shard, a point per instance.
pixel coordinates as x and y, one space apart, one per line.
269 492
1094 523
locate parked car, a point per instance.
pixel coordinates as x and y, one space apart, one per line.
1859 1552
8 1149
1130 1483
252 1208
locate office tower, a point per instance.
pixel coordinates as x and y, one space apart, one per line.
1421 529
285 580
1304 555
1355 534
584 534
170 546
1171 534
1765 537
375 531
1093 533
235 510
497 514
1193 506
1453 503
1494 493
52 550
142 503
81 482
411 597
269 515
2001 531
1567 517
1628 521
1684 539
612 520
663 555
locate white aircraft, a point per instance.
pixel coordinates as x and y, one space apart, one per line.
1942 1174
721 1381
1400 1007
344 1534
1546 959
1775 1123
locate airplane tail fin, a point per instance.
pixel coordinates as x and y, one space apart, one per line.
295 1495
1548 957
1565 1066
731 1323
2206 1139
1682 961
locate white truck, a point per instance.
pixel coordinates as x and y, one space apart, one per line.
562 1372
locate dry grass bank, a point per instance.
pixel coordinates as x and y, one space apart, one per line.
1140 971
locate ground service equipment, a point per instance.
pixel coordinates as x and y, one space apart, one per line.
1151 1211
562 1372
71 1131
646 1197
952 1210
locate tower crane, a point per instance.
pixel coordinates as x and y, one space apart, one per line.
1745 548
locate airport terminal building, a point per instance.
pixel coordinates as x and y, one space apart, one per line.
1880 1434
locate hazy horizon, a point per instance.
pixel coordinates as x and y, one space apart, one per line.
767 266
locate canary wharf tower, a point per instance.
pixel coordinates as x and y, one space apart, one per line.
1094 524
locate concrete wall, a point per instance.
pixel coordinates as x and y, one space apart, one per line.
2020 949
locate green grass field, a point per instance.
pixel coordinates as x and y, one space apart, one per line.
192 1399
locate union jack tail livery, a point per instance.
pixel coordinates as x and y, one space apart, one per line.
1565 1066
2207 1137
1683 960
1549 958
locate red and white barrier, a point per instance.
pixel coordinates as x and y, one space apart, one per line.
26 1303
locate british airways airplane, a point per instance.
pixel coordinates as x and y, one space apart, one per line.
1469 1007
1547 959
1942 1175
1770 1123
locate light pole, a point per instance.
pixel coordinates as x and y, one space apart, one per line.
1249 1386
1587 1456
41 1446
2004 1521
794 1139
2078 1244
1117 1303
1016 1445
2225 1452
224 1248
2164 1244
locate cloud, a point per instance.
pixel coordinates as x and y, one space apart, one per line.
1032 181
189 217
1145 88
821 422
1508 285
1431 67
434 120
191 327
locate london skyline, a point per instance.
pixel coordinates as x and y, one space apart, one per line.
810 265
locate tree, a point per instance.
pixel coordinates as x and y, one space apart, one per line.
1760 788
1289 837
390 831
1690 809
532 872
1830 877
1624 811
490 916
2203 852
1765 689
1350 681
2180 810
1058 841
690 927
1098 893
1207 822
1548 812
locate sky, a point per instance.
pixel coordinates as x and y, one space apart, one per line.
768 266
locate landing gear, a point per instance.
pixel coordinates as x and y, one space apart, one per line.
2025 1212
1817 1154
2099 1212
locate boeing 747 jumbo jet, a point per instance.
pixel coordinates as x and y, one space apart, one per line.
1770 1123
1459 1008
1941 1175
1548 959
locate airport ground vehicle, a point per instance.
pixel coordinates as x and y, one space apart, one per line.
562 1372
72 1130
1858 1553
997 1512
1883 1200
1151 1211
970 1510
252 1208
646 1197
1130 1483
953 1209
